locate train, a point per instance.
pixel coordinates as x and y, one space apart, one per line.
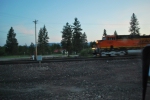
120 45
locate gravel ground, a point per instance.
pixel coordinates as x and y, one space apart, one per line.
81 80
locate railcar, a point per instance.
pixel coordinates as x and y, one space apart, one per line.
119 45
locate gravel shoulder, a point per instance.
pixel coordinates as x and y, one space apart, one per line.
81 80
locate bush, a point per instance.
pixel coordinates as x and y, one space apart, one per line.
86 52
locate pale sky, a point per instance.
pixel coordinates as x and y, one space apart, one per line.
94 17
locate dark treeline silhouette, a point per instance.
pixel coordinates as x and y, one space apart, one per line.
73 40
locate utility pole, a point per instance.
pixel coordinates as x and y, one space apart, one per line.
35 22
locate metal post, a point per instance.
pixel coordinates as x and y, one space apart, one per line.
35 40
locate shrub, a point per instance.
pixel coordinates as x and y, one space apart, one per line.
86 52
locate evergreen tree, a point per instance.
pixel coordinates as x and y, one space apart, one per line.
134 29
25 48
84 40
115 33
43 41
2 50
21 50
66 41
11 46
31 49
76 40
104 34
92 44
55 46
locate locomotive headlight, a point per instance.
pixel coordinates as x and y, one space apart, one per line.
93 48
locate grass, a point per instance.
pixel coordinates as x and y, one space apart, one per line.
29 56
58 55
15 56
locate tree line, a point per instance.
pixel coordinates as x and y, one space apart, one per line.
78 39
12 46
73 40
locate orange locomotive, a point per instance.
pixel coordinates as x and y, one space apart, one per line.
113 45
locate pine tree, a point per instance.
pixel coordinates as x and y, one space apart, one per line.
2 50
20 50
134 28
76 40
84 40
11 46
104 34
43 40
92 44
54 46
31 49
25 48
115 33
66 41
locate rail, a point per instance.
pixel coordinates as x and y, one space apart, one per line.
28 61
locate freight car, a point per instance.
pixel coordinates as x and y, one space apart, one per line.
119 45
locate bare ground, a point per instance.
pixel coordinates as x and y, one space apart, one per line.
81 80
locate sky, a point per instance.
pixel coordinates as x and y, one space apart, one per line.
94 17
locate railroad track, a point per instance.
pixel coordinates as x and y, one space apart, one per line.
49 60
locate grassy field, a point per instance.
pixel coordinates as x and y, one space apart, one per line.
30 56
15 56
